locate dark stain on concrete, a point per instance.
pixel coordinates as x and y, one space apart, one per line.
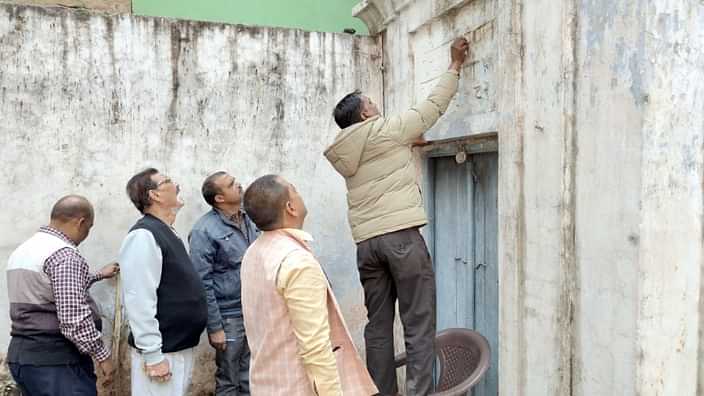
333 58
64 49
254 32
278 128
634 239
280 110
638 64
16 14
202 106
233 42
306 44
81 14
109 36
252 71
175 60
115 108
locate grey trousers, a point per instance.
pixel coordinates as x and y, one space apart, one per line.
397 266
232 374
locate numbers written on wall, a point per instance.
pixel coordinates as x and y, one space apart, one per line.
478 80
474 108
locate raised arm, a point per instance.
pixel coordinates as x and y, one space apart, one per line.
410 126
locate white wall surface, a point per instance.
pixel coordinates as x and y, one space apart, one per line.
88 100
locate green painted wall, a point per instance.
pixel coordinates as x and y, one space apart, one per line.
316 15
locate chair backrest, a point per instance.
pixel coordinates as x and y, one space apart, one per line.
464 357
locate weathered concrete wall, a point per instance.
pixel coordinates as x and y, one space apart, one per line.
87 100
598 110
597 106
108 6
670 233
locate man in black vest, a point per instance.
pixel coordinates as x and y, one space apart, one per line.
163 295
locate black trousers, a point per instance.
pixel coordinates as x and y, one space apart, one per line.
397 266
61 380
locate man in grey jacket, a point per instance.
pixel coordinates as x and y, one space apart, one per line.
218 241
374 155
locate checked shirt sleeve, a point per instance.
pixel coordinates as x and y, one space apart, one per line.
70 280
94 278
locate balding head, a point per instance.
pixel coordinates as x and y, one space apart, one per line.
73 215
71 207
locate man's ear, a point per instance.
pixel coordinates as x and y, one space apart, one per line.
219 198
290 209
153 195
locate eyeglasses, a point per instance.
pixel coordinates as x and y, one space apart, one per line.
167 180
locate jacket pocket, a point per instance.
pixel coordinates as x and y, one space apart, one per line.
222 254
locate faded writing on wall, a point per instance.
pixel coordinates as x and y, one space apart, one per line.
474 107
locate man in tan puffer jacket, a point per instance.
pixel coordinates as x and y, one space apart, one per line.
374 154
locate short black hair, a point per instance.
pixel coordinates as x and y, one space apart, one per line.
209 189
138 188
265 200
71 207
349 110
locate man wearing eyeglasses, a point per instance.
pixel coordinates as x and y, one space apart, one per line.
163 296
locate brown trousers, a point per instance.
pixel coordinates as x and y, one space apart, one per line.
395 266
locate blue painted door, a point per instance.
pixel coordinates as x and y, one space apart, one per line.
464 246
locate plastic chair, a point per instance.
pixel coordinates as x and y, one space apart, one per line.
465 357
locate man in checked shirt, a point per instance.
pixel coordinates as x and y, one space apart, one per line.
55 324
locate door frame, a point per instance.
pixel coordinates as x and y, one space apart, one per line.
485 143
478 144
